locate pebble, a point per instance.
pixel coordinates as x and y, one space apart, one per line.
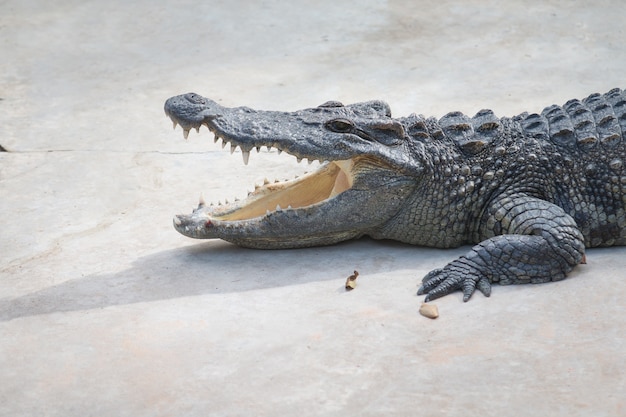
429 310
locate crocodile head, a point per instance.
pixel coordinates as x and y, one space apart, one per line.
368 167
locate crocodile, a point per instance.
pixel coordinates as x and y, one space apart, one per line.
529 192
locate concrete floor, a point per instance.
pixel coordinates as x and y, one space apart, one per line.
106 311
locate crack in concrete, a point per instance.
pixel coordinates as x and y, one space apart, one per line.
2 149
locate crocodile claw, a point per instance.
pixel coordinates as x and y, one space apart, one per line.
444 281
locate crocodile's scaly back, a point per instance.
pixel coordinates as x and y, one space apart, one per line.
530 191
593 125
587 162
571 156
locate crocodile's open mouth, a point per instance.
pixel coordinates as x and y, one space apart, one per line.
329 180
271 207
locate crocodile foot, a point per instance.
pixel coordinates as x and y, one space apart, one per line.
455 276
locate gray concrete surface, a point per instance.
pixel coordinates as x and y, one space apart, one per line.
106 311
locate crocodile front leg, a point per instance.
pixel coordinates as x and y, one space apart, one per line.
539 243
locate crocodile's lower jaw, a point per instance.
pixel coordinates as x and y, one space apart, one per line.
272 210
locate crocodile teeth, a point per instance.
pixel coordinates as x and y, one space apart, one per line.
186 133
201 202
174 123
232 148
223 143
279 151
246 156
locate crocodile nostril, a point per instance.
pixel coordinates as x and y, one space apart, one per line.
195 98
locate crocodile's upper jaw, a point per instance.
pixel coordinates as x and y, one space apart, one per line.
319 208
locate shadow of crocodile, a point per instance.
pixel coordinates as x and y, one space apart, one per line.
219 267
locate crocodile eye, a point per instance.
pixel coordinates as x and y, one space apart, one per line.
340 125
